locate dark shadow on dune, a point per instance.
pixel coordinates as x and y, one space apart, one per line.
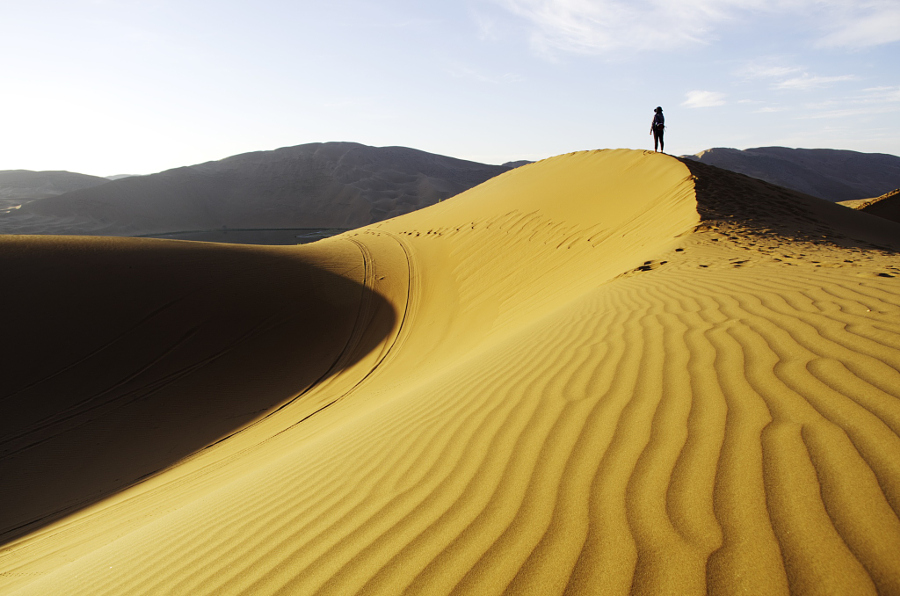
120 358
269 237
751 206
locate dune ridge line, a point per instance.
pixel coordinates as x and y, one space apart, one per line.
609 372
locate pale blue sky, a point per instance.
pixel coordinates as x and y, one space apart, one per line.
137 86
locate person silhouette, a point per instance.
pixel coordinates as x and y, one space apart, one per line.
657 128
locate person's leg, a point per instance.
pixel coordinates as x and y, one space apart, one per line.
662 143
655 140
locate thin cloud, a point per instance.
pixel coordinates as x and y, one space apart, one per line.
703 99
880 95
789 77
606 26
487 26
806 82
864 24
591 27
767 69
464 72
872 101
851 112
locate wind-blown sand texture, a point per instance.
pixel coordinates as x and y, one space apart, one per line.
886 206
607 372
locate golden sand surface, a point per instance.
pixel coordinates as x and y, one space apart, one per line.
886 206
608 372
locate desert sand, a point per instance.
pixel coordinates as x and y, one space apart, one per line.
886 206
607 372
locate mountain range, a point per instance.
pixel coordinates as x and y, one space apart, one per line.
830 174
22 186
347 185
317 185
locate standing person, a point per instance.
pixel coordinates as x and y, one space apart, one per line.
657 128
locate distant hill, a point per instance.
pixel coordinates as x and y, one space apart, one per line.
831 174
517 164
317 185
886 206
22 186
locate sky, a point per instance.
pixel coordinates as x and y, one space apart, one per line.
109 87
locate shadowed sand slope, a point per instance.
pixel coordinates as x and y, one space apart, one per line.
121 357
608 374
886 206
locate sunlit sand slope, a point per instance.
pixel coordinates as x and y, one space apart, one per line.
605 373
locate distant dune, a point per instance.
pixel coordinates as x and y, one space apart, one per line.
608 372
829 174
318 185
22 186
886 206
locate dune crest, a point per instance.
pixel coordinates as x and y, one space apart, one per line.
886 206
608 372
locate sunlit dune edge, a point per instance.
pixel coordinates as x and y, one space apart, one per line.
608 372
886 206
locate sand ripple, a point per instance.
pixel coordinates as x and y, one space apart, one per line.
563 406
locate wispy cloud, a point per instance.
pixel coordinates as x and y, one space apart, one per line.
763 106
486 25
807 81
465 72
703 99
788 77
872 101
767 69
605 26
598 26
881 94
861 24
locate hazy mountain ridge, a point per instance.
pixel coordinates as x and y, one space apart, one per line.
28 184
831 174
339 184
18 187
348 185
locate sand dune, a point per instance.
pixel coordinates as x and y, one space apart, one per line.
604 373
886 206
